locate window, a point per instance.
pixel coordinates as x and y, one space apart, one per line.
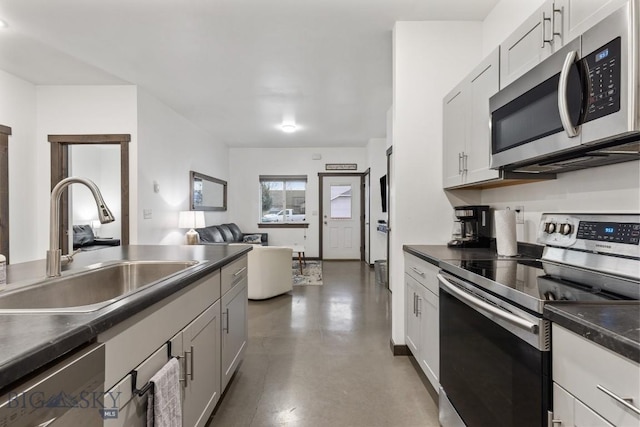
340 202
283 198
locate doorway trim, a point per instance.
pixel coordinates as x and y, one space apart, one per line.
60 170
5 131
321 176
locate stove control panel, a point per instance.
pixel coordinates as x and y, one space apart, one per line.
616 234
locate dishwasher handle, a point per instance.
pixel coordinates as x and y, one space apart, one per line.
478 303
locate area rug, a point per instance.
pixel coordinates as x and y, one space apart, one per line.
312 273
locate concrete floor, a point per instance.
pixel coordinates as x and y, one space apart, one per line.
319 356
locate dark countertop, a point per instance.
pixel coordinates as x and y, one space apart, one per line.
31 341
614 325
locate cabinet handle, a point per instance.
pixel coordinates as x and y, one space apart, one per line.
418 271
552 421
239 271
226 328
186 367
544 26
626 402
553 21
192 352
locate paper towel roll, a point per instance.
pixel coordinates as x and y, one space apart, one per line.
506 242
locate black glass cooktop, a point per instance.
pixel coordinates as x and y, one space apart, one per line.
528 276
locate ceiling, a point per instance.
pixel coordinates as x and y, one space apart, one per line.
236 68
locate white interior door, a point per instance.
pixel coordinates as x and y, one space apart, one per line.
341 217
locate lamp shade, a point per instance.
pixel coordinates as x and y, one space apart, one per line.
191 219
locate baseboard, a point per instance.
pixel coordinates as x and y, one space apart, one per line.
399 350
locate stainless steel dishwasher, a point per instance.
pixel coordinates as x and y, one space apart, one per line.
70 393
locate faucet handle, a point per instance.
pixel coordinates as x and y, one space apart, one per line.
66 259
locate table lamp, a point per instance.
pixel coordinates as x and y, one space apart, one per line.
191 220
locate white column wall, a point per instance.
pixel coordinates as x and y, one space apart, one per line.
81 110
247 164
18 111
427 63
169 147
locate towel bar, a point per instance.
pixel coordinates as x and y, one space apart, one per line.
134 376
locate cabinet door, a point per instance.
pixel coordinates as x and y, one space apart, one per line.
201 344
234 329
483 84
429 336
412 322
581 15
454 134
525 48
563 406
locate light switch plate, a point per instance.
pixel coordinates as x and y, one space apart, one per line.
519 214
147 213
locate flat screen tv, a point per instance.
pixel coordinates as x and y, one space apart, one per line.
383 192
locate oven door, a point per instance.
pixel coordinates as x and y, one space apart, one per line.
494 360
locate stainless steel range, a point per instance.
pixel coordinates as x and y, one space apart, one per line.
494 343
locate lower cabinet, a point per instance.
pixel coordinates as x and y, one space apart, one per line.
208 333
234 329
198 346
422 334
592 385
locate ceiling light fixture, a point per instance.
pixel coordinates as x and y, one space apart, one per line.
3 24
288 127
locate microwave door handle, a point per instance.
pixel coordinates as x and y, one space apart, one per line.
563 102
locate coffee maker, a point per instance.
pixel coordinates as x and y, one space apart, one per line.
472 228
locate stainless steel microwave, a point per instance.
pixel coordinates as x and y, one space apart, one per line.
576 109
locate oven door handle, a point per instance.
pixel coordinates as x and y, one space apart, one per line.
563 102
478 303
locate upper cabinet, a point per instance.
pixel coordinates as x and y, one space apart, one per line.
553 25
466 133
538 37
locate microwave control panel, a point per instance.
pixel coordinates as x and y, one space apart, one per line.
602 68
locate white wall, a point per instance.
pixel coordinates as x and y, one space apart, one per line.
80 110
18 111
424 70
377 158
169 146
247 164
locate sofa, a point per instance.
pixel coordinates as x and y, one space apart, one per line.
230 233
84 239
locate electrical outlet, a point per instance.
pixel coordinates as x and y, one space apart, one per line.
519 214
147 213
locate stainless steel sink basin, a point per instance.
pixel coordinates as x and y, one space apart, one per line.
89 290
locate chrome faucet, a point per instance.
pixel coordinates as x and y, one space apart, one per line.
55 259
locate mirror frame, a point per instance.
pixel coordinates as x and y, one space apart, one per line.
192 176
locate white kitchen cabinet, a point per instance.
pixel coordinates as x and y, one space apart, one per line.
233 319
591 382
584 14
421 316
466 130
534 40
198 346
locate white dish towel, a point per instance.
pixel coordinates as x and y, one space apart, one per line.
164 407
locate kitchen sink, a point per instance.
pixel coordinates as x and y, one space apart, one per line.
89 290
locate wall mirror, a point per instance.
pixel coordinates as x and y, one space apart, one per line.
207 193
